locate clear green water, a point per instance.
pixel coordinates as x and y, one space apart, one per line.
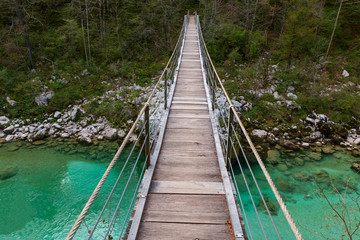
55 180
53 183
311 213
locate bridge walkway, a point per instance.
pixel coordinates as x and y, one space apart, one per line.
187 198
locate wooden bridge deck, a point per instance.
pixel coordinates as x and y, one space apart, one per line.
187 198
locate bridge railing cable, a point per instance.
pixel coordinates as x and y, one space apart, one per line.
116 200
235 141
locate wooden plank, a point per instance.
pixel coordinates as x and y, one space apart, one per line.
181 231
203 99
193 122
188 145
187 187
172 173
193 112
190 134
187 102
190 107
191 70
191 85
189 162
210 204
190 116
187 125
182 77
191 61
190 65
185 217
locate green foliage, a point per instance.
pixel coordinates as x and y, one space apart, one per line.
257 44
299 35
116 112
227 41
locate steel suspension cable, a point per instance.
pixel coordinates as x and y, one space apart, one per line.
123 192
256 184
96 191
262 166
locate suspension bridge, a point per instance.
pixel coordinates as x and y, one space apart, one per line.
182 168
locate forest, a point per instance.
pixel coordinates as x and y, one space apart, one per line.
304 52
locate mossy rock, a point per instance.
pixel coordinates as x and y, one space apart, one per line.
271 204
8 173
283 185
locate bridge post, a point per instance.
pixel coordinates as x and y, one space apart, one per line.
229 147
213 87
165 92
147 135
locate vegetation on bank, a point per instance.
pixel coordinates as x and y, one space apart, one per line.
259 45
80 49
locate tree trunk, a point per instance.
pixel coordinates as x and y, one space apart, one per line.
24 25
333 32
87 27
83 32
251 30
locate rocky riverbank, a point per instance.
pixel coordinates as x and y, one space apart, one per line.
74 122
315 131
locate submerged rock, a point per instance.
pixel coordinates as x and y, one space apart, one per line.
282 167
13 148
283 185
299 161
8 173
271 204
328 150
315 156
321 177
356 166
273 156
355 153
301 177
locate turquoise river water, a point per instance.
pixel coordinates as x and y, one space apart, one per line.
52 185
301 194
55 179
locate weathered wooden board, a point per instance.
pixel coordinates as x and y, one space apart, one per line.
188 135
202 99
188 107
187 174
195 112
190 145
187 187
184 217
181 231
186 202
188 102
188 162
